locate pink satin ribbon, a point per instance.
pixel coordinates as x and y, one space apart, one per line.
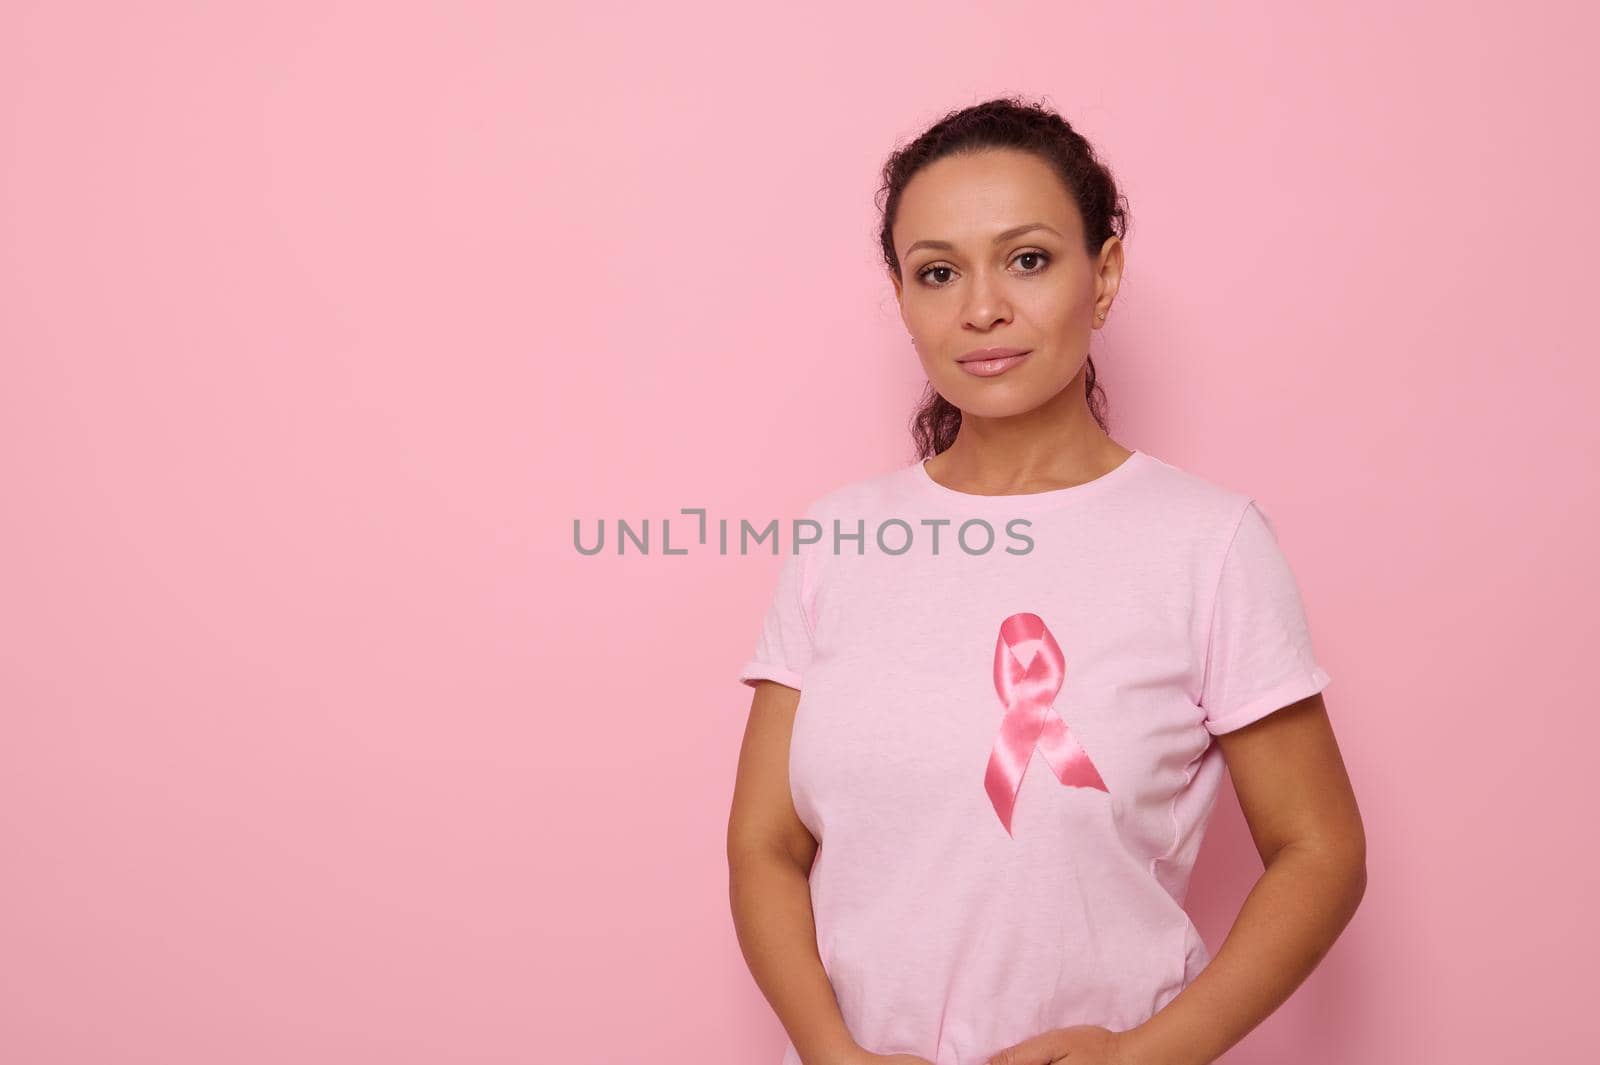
1028 670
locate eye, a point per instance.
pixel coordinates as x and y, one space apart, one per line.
926 271
1033 255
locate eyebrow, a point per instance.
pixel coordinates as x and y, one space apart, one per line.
945 245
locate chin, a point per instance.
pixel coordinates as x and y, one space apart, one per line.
995 400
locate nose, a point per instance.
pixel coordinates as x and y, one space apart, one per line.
986 304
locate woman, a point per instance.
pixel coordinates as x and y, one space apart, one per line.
978 764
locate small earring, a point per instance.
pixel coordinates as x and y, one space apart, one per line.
1101 315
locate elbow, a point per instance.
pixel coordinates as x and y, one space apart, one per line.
1341 861
749 849
756 844
1348 866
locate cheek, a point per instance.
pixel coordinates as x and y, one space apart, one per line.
1054 309
932 367
926 332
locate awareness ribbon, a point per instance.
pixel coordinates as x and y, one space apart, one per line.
1028 670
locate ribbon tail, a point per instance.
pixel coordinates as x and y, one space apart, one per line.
1003 780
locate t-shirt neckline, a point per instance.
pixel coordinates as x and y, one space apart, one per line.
1045 500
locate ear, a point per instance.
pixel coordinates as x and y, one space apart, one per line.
1111 261
895 281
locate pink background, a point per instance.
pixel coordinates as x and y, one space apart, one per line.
322 322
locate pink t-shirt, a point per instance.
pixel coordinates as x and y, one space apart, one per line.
1003 743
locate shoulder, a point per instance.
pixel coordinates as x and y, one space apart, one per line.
1194 501
862 497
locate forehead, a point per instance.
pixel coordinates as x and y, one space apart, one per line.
966 199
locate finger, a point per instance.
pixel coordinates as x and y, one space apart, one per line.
1035 1051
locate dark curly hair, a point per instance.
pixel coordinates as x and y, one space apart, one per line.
1004 122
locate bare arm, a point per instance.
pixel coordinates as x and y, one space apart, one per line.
1297 799
770 851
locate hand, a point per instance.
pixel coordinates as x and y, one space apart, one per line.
1082 1044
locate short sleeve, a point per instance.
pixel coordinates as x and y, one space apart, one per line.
1259 655
783 650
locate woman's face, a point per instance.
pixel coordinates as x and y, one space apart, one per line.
991 252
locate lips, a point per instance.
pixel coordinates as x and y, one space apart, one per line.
990 362
986 354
